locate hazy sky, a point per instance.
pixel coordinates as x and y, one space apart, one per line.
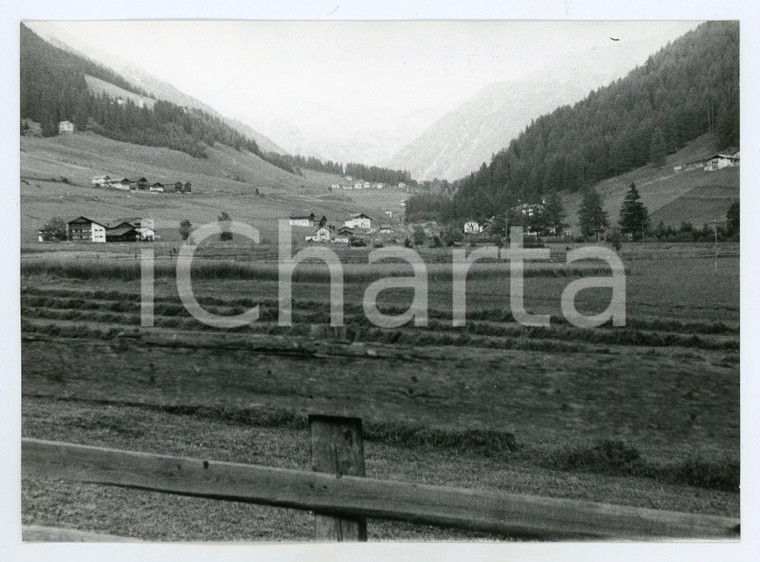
371 77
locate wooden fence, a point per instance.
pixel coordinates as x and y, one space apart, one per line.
342 498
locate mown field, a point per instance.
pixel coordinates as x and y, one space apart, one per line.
645 415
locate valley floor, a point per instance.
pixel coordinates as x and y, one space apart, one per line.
647 415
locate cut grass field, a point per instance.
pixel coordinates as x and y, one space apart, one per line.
647 415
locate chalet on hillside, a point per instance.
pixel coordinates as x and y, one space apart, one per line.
178 187
159 187
720 161
188 187
142 184
101 181
124 184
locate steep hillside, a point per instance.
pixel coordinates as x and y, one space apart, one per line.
226 180
687 89
471 134
54 88
138 78
672 197
98 86
164 91
462 140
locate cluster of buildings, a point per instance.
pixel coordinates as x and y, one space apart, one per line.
527 210
83 229
142 184
365 185
357 225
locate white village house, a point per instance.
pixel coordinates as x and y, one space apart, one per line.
341 237
65 127
84 229
101 181
123 184
472 227
322 234
302 220
359 220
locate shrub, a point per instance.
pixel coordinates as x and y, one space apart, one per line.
185 227
611 456
707 474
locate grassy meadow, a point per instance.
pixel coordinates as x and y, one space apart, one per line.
645 415
225 181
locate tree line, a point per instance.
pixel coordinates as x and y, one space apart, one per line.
688 88
378 174
635 222
356 171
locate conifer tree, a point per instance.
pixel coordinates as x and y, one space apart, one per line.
593 218
554 213
657 149
634 217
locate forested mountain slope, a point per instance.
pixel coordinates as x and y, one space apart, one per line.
54 89
687 89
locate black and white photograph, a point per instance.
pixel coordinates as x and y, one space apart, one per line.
414 280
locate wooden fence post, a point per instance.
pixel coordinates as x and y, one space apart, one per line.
337 448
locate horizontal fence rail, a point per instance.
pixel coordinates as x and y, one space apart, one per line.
358 497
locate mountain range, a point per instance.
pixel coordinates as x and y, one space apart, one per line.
157 88
459 142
